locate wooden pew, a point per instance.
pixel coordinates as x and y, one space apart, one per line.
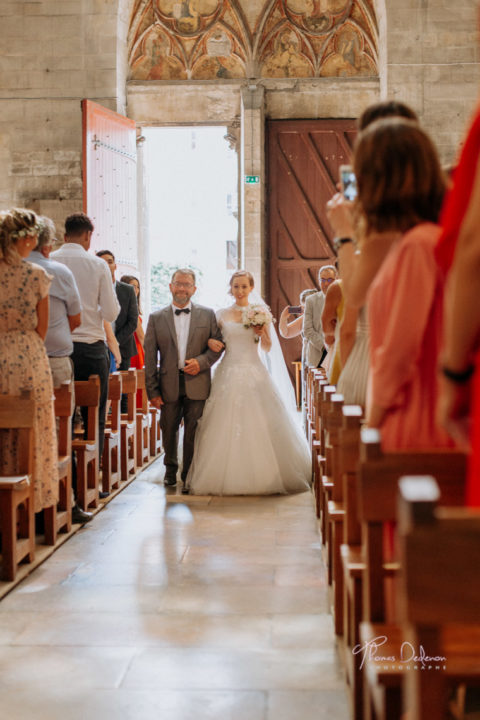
87 394
318 443
17 514
128 463
335 510
112 441
155 447
377 504
58 518
350 550
440 559
325 459
144 420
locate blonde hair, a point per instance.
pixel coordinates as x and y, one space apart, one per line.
241 273
14 224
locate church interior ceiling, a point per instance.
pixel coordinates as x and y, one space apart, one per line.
228 39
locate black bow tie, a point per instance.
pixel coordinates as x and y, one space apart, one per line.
185 310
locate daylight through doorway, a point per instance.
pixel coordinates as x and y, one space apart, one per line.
191 176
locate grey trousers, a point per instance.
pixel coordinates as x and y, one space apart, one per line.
170 418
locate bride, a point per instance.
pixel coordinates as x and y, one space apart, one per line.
247 442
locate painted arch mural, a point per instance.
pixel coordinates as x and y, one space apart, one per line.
210 39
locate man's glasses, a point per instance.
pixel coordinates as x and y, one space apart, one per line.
184 284
327 280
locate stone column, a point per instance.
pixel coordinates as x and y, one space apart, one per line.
252 198
142 230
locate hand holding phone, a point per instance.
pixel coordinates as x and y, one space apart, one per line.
295 310
348 182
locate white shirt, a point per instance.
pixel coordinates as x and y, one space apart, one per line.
182 328
97 292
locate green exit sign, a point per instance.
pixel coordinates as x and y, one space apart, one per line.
252 179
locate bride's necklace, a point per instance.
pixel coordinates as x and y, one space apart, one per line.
239 307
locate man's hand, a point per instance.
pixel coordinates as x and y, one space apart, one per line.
157 402
215 345
192 367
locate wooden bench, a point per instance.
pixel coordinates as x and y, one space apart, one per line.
440 588
87 394
318 441
379 474
128 462
17 514
350 550
325 459
144 420
112 441
155 438
335 511
58 518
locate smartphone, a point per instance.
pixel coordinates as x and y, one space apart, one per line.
348 182
295 310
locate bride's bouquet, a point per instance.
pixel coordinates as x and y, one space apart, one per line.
256 316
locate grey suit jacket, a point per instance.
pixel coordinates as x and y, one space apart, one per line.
312 328
161 354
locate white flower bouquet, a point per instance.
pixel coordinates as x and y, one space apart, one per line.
256 316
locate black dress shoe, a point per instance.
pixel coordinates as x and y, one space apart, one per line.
170 481
102 495
185 489
80 516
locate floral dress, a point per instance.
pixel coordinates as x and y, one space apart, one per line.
24 366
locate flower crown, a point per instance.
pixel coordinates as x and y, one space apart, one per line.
32 232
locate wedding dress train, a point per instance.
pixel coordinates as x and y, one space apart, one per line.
246 442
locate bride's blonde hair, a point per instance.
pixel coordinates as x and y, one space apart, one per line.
241 273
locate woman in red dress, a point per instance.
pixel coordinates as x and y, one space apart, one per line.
458 254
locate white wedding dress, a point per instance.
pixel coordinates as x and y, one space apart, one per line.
246 443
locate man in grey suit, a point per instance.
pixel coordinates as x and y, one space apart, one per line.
177 368
312 318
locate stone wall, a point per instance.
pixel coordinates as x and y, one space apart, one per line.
53 54
429 57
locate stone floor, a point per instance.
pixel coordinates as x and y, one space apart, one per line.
174 608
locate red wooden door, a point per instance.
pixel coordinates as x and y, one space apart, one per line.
303 163
110 182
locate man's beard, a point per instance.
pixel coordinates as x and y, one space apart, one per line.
180 300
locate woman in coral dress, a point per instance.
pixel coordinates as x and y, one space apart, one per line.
23 359
401 188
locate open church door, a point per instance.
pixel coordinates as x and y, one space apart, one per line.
110 182
304 157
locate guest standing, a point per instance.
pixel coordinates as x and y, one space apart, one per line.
400 192
23 359
138 360
312 318
459 249
64 305
127 319
99 302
